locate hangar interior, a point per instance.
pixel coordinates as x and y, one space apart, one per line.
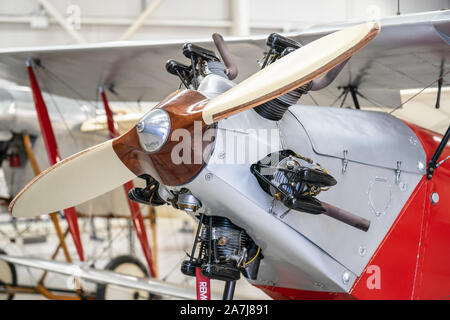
46 23
28 23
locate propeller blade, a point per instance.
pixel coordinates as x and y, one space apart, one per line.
291 71
81 177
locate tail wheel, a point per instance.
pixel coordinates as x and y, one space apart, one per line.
128 265
8 276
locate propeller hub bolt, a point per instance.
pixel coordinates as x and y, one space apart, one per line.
346 277
434 198
362 251
420 165
140 126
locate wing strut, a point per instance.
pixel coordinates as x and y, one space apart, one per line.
354 93
52 151
440 82
135 210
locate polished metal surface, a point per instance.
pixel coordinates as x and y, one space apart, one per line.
366 137
213 85
227 188
153 130
187 202
302 250
367 188
290 259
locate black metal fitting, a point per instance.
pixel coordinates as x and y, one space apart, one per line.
192 51
279 43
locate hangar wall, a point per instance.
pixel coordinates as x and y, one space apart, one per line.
28 23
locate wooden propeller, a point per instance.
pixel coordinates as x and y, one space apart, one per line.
106 166
72 181
291 71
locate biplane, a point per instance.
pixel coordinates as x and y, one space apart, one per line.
305 202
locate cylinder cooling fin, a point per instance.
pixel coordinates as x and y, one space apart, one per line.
275 109
293 179
222 251
280 46
296 181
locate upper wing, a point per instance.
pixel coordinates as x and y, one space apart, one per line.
136 70
410 51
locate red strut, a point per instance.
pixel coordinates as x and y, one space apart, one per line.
135 210
53 153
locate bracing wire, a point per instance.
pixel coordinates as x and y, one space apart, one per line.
415 95
82 98
66 125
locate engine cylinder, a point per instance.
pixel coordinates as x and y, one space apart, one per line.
275 109
228 239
